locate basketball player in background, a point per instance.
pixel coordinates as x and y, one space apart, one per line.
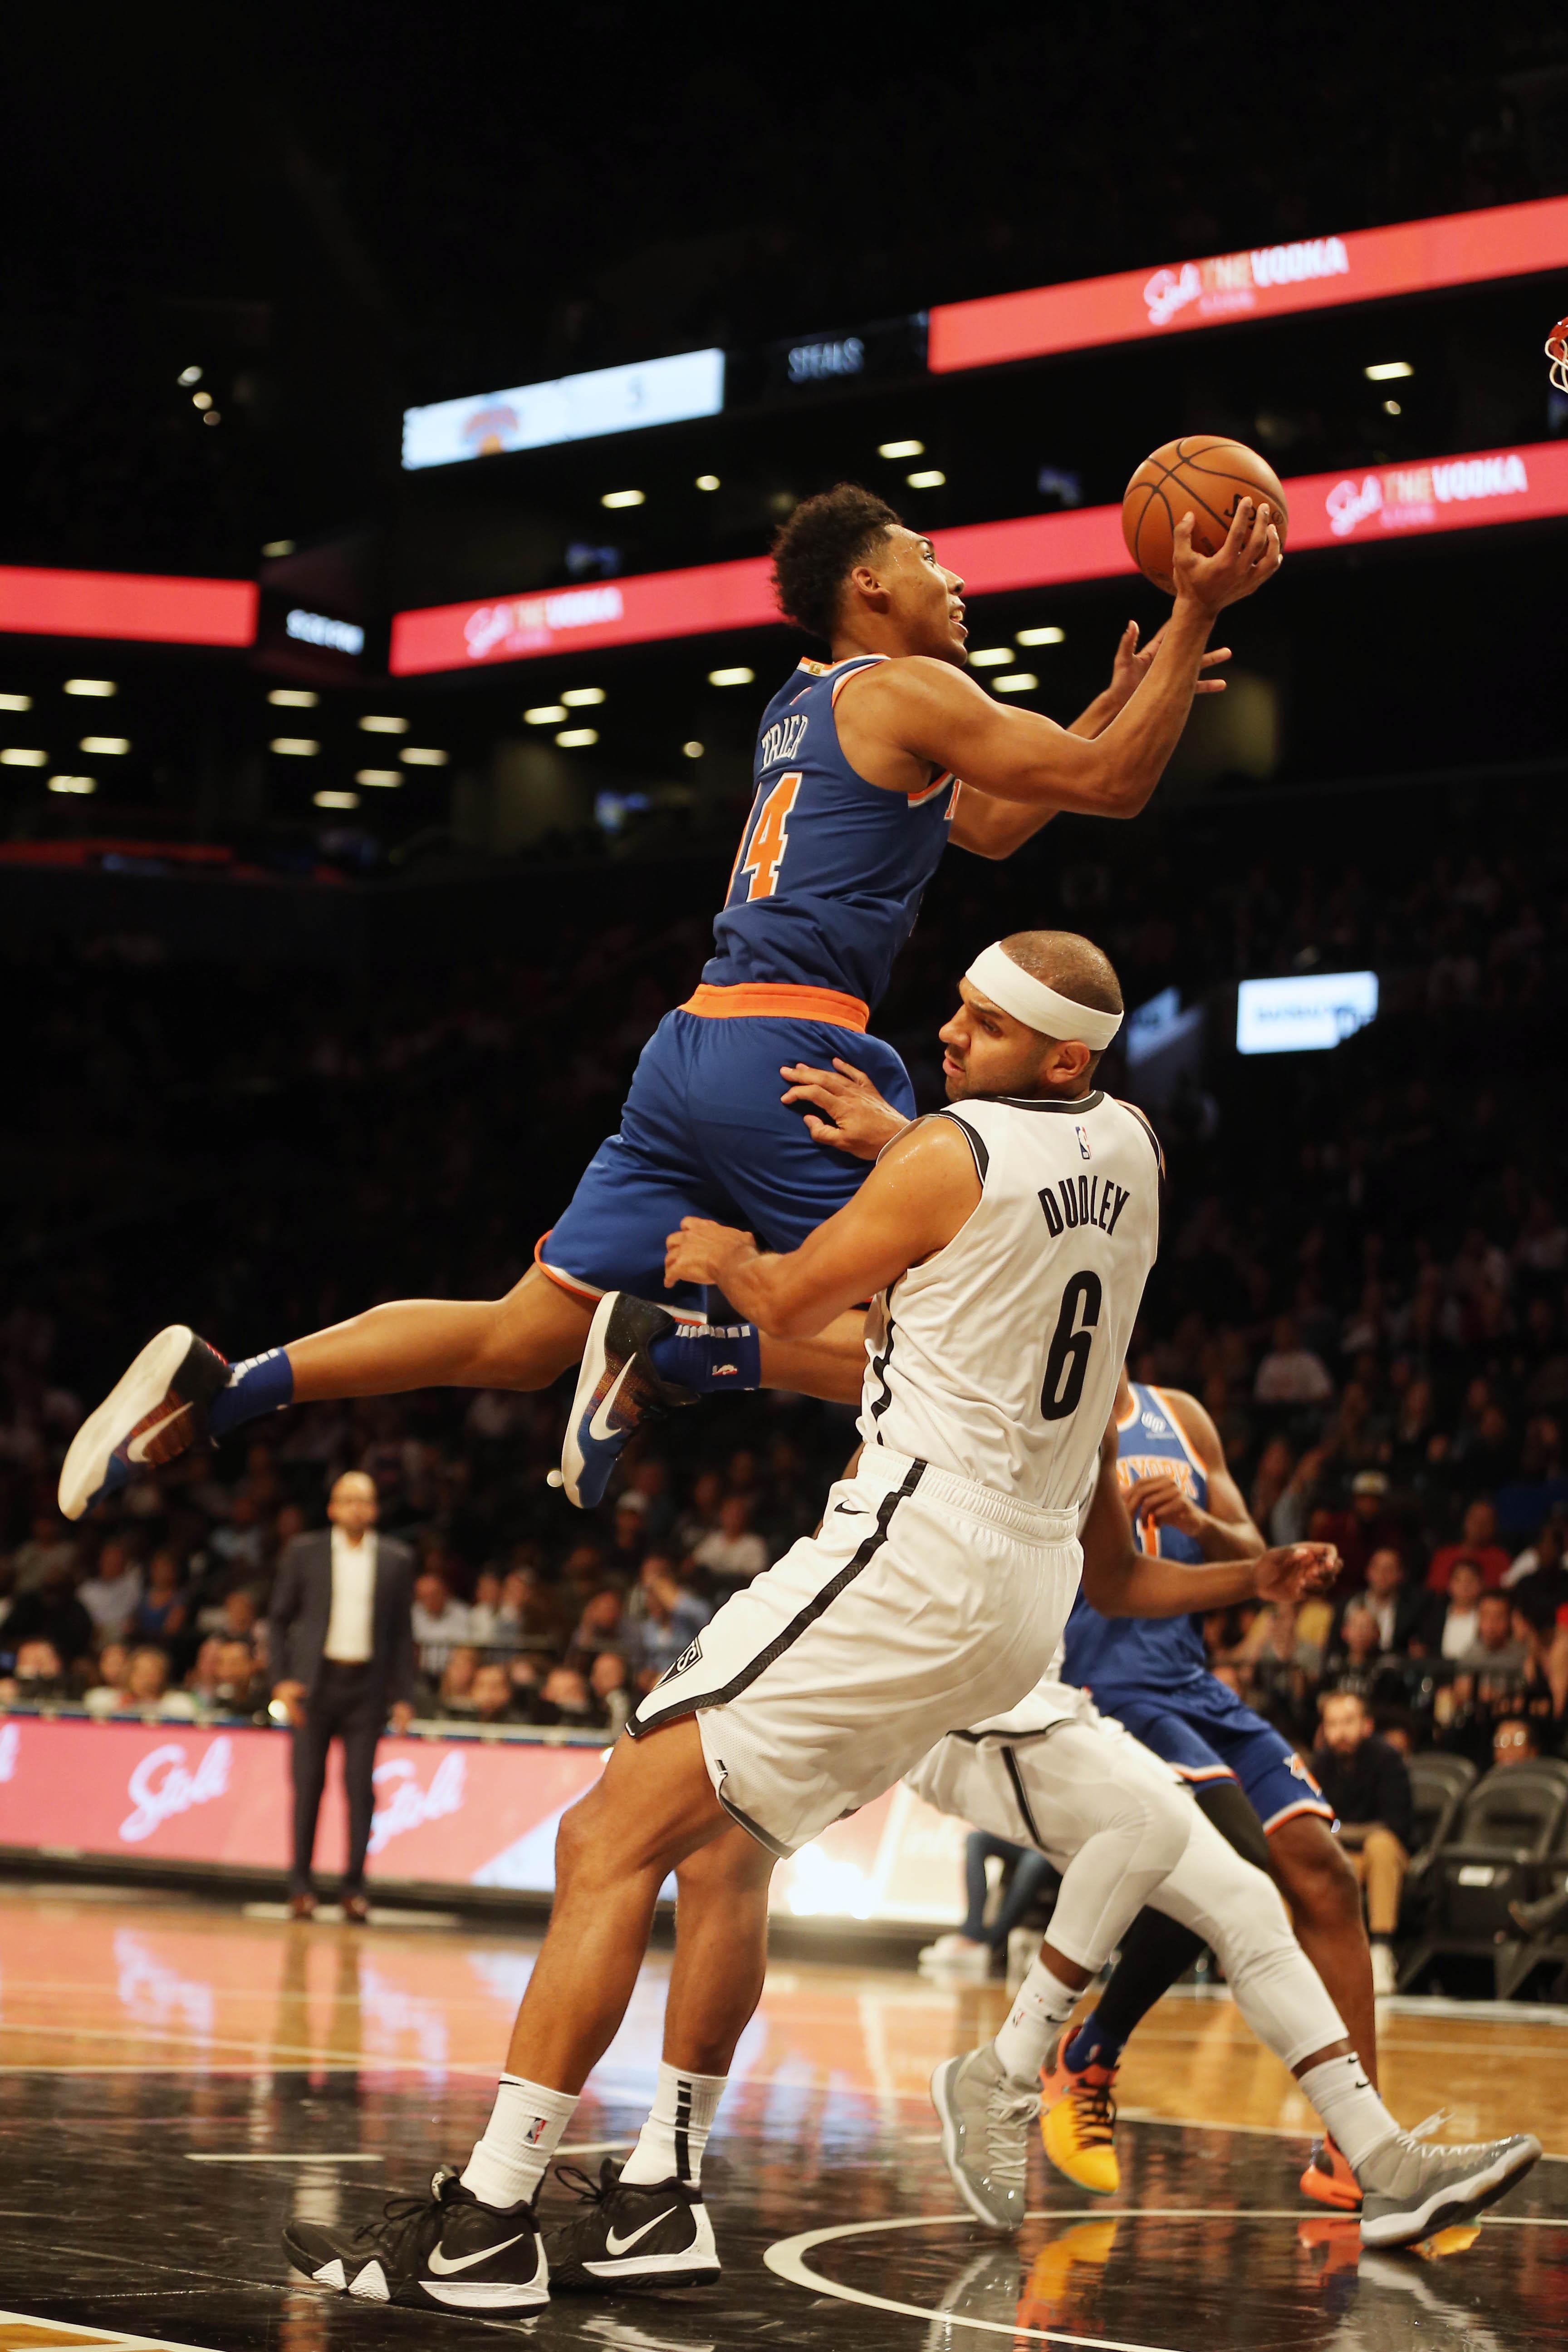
856 797
934 1591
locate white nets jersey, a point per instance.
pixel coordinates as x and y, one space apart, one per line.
997 1358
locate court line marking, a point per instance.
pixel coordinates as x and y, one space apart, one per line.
786 2259
301 2155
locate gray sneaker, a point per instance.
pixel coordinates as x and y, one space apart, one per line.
986 2117
1411 2188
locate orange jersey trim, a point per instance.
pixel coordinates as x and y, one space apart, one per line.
780 999
564 1281
1319 1805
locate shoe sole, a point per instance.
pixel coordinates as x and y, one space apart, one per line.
590 1373
137 1396
1454 2202
476 2294
587 2278
949 2123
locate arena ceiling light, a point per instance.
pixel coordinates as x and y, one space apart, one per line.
278 547
383 779
930 478
374 725
740 675
288 747
98 687
900 449
80 785
110 747
623 498
422 756
1038 637
545 714
707 481
578 697
693 751
335 800
990 657
202 400
294 697
577 738
16 702
1018 682
1387 370
13 756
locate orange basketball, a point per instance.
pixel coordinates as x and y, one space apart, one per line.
1202 476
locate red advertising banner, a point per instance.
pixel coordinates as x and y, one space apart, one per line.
127 604
448 1812
1267 281
1429 493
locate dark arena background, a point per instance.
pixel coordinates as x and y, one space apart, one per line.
396 409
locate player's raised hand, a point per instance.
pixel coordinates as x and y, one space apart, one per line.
1131 663
1161 1502
1296 1570
700 1249
1251 554
858 1119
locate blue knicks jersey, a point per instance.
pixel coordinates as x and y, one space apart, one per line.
830 871
1143 1653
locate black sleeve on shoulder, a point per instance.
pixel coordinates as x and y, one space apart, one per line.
976 1142
1142 1120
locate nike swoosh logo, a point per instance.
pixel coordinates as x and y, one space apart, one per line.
599 1427
444 2266
614 2245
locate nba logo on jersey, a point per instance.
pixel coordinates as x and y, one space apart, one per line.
1082 1135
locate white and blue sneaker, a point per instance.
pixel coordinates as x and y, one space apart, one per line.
617 1390
445 2250
155 1409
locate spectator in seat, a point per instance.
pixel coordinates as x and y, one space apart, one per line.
673 1618
1459 1626
457 1693
1402 1616
111 1593
1514 1741
602 1626
700 1516
238 1687
1371 1525
1368 1785
1477 1543
147 1688
629 1540
486 1628
159 1613
734 1553
47 1547
1290 1373
608 1682
106 1689
566 1700
440 1622
38 1676
1543 1558
490 1693
51 1612
1498 1649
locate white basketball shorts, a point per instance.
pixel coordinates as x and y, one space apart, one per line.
921 1602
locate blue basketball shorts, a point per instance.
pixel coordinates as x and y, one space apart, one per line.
1205 1733
704 1134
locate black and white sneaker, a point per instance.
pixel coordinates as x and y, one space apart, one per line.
446 2249
617 1390
154 1411
633 2233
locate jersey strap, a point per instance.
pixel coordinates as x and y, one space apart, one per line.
782 999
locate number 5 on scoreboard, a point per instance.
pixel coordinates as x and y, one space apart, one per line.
763 854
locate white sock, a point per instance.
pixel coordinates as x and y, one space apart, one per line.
676 2132
1349 2106
524 2130
1043 2002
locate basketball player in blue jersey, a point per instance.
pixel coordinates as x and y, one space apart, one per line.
1153 1676
856 799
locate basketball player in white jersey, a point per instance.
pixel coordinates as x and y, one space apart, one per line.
1006 1242
1124 1832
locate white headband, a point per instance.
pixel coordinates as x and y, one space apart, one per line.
995 975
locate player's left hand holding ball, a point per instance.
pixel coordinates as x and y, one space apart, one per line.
1251 554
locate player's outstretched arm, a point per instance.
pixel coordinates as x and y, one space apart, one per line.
921 1191
938 714
1119 1581
1226 1529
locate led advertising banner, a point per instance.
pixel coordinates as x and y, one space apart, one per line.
127 604
573 408
449 1811
1269 282
1432 493
1306 1013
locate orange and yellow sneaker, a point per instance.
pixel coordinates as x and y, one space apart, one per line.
1328 2180
1077 2120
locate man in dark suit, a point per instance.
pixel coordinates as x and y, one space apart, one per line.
342 1654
